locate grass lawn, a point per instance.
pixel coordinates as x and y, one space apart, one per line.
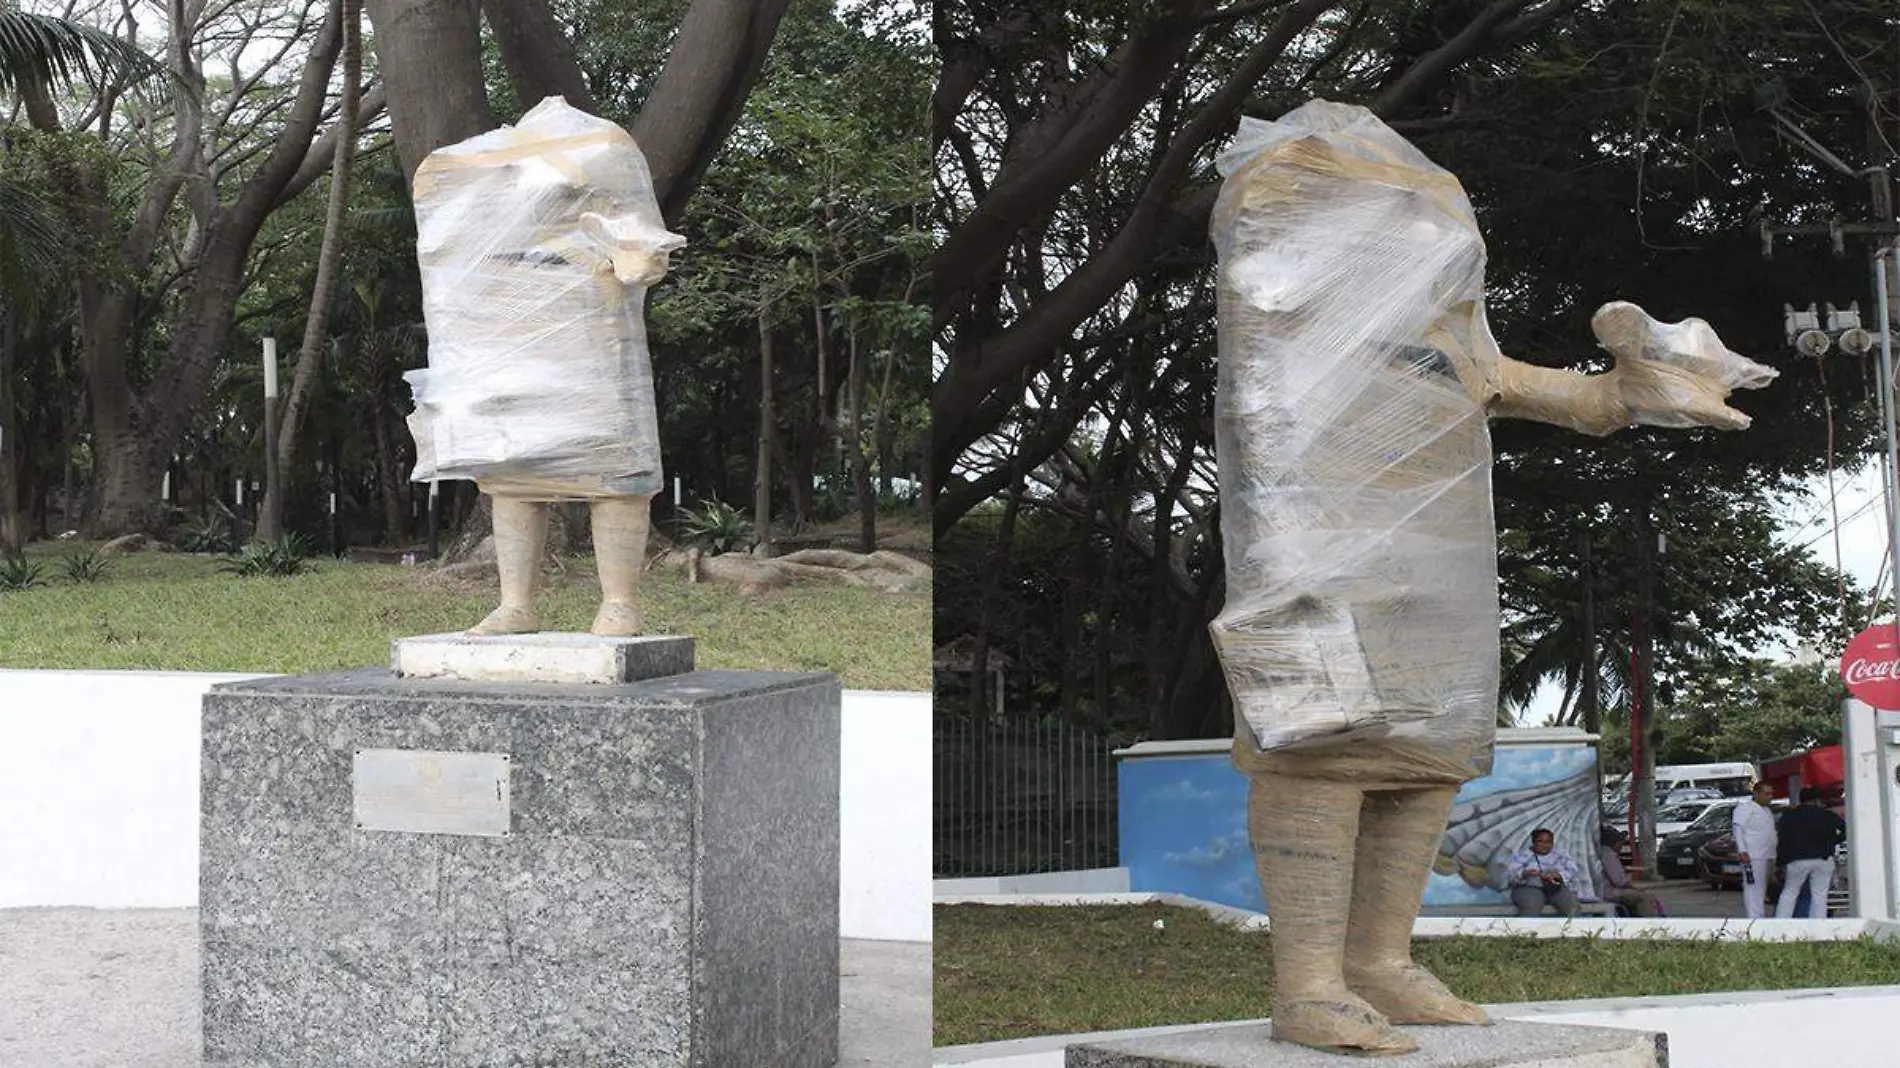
178 612
1012 972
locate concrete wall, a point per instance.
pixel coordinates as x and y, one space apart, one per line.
99 797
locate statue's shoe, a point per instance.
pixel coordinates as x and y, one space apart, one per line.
1411 995
617 619
1339 1025
508 619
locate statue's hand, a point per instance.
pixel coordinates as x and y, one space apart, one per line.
1674 374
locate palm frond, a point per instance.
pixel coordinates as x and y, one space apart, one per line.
32 241
39 50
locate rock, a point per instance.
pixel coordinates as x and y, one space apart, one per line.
132 543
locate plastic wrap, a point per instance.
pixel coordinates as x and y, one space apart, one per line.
1357 371
537 244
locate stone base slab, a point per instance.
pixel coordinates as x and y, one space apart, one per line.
1510 1044
556 657
633 876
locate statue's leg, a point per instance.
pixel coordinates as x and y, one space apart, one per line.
620 552
521 536
1302 832
1398 838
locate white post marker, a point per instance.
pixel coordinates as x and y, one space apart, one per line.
270 368
240 493
332 502
165 487
676 491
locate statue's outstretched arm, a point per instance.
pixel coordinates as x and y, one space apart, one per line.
1666 374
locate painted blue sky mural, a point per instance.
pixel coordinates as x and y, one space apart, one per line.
1184 820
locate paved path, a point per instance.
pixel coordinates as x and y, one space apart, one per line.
85 988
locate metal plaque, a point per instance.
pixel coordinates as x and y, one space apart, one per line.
424 791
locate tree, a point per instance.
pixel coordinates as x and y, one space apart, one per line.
1611 151
1745 709
39 53
329 260
230 159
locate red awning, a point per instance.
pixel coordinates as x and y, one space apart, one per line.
1819 768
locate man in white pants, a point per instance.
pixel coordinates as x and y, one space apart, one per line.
1755 848
1808 835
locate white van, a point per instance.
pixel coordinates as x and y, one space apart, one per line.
1728 779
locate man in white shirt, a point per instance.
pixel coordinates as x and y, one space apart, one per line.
1755 849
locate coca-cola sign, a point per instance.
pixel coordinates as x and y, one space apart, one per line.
1871 666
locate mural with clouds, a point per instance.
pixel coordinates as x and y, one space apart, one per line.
1184 824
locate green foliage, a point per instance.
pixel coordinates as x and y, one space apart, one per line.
19 573
173 612
1614 151
211 535
1751 709
84 566
718 527
1005 973
278 557
45 52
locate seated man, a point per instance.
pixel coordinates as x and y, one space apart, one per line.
1541 874
1616 886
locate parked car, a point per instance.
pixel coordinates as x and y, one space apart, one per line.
1676 853
1677 816
1717 865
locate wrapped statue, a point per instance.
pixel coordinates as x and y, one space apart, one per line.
1360 632
538 243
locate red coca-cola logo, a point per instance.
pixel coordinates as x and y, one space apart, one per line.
1871 667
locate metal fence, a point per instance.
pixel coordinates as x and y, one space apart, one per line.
1022 796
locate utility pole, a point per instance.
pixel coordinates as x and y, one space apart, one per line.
1642 704
1588 678
1884 234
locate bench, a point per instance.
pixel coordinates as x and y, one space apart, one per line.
1605 909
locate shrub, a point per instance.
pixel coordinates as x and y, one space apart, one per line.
84 566
207 536
19 573
288 555
718 527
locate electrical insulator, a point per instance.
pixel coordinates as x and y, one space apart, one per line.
1857 342
1812 343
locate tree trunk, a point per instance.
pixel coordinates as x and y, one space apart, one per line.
854 450
986 612
323 293
389 482
12 449
699 94
430 55
762 478
535 49
881 426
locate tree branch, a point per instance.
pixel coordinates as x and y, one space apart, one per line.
700 92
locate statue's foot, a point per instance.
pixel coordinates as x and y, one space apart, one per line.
1341 1024
1411 995
508 619
617 619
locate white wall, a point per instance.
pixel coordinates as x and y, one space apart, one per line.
1841 1028
99 797
884 863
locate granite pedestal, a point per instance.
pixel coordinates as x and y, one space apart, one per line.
429 873
1509 1044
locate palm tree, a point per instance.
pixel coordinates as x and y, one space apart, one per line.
40 52
37 54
